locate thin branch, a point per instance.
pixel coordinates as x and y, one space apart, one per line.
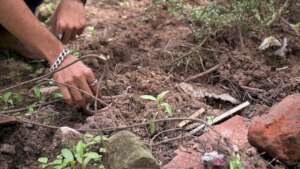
80 90
203 73
25 108
49 74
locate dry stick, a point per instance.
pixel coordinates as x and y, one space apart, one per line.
194 115
289 25
173 139
216 120
162 132
49 74
80 90
187 54
115 128
222 116
25 108
203 73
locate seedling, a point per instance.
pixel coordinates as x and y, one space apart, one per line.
235 162
91 32
161 105
80 156
11 99
210 119
38 94
30 109
159 99
57 95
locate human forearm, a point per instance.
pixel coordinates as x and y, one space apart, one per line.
16 17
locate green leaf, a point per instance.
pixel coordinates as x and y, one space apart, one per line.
168 108
148 97
235 163
44 165
210 119
37 92
79 151
18 98
57 95
162 95
30 109
43 160
90 156
67 154
101 166
6 97
56 162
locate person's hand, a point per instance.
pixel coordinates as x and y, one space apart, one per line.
69 19
77 75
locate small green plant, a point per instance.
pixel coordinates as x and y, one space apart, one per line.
80 156
38 94
91 31
159 99
161 106
213 18
76 53
235 162
10 99
210 119
57 95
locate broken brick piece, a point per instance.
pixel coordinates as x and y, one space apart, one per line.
278 132
234 130
185 159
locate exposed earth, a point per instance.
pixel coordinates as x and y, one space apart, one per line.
142 48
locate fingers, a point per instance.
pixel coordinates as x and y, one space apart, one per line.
66 93
90 76
83 84
77 97
69 31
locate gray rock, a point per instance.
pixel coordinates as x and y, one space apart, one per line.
126 151
66 137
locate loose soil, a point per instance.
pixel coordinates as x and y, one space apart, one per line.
143 47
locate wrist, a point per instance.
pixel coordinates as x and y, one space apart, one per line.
60 59
52 55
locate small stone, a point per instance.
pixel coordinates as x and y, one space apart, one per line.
185 159
28 149
278 131
126 151
66 137
8 149
214 160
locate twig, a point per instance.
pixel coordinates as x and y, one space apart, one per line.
25 108
114 128
80 90
162 132
289 25
253 89
187 54
48 74
222 116
194 115
203 73
173 139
